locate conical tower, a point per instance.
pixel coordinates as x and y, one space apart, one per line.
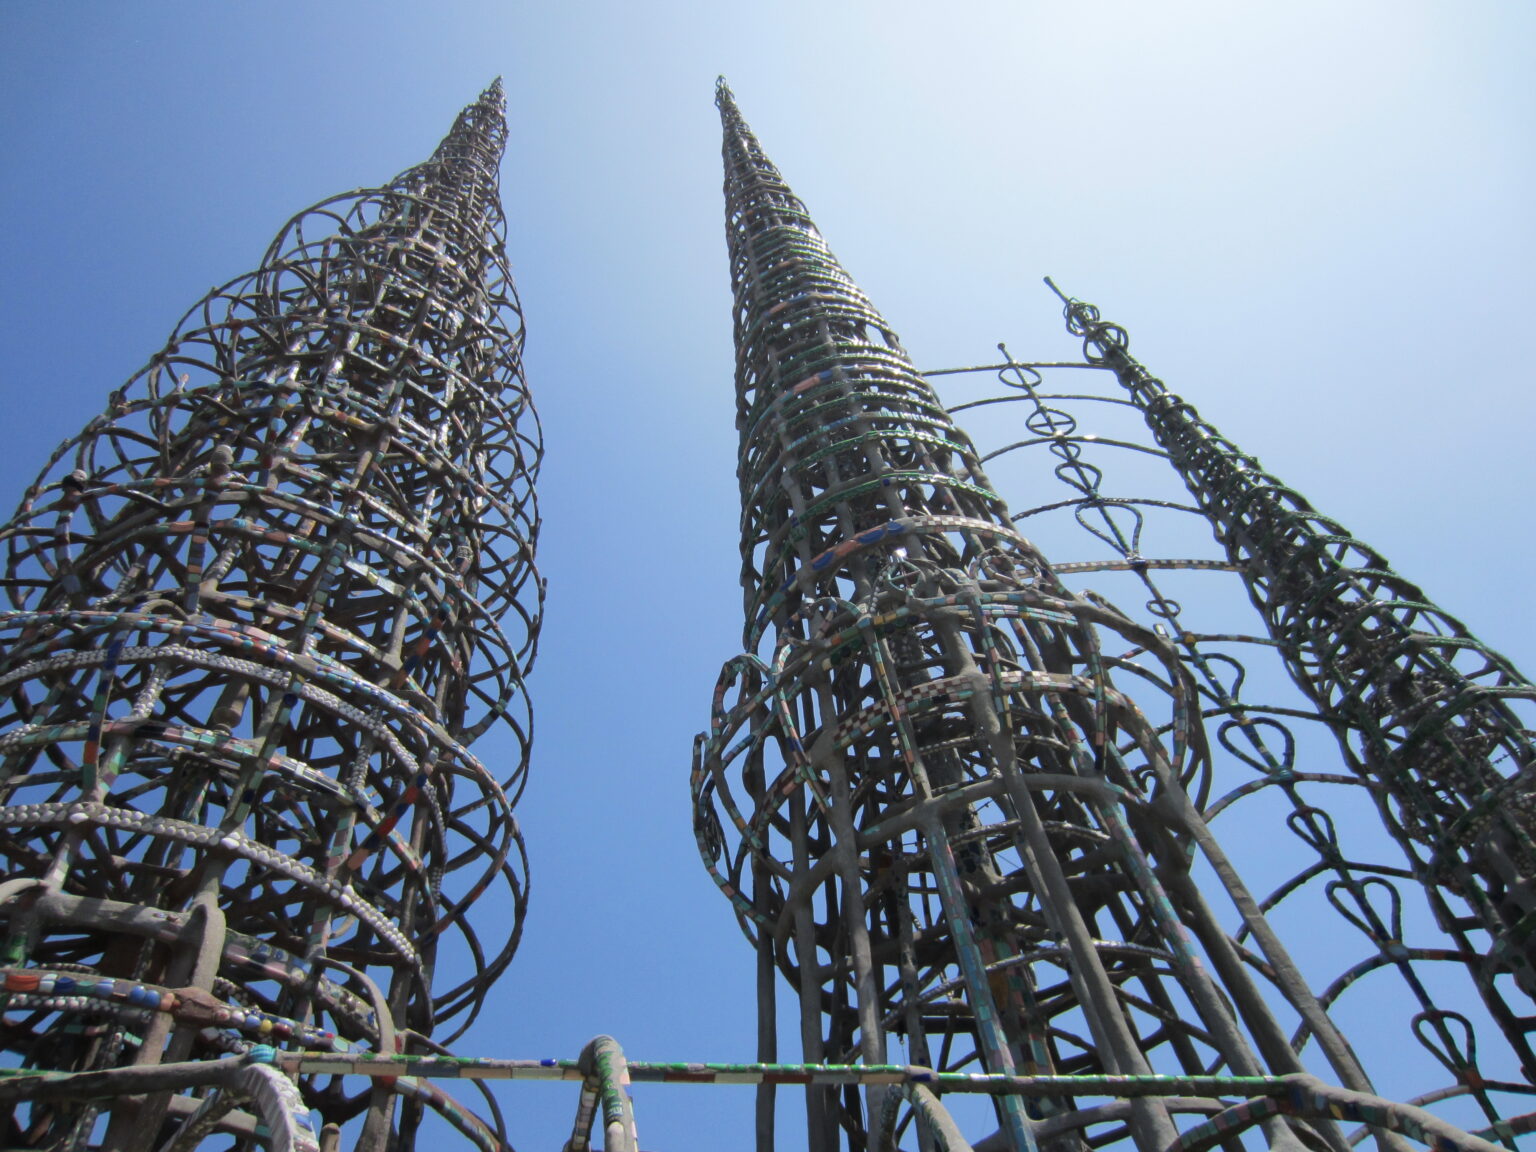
1434 722
935 814
253 628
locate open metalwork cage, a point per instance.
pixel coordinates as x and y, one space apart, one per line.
962 804
258 609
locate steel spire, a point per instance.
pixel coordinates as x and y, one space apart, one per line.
933 811
1437 724
253 629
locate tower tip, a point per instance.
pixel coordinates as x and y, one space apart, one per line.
723 91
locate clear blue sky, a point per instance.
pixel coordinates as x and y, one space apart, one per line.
1314 218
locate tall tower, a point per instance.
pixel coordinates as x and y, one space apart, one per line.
1440 727
933 811
253 627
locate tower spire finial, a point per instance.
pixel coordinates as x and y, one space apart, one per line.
478 135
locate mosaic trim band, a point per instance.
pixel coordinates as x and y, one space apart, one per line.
1234 1103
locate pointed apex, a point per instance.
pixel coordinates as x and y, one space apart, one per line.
734 123
747 168
479 132
493 98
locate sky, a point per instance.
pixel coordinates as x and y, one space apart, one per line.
1313 218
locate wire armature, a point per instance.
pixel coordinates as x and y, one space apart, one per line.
1442 723
253 627
934 812
1285 807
